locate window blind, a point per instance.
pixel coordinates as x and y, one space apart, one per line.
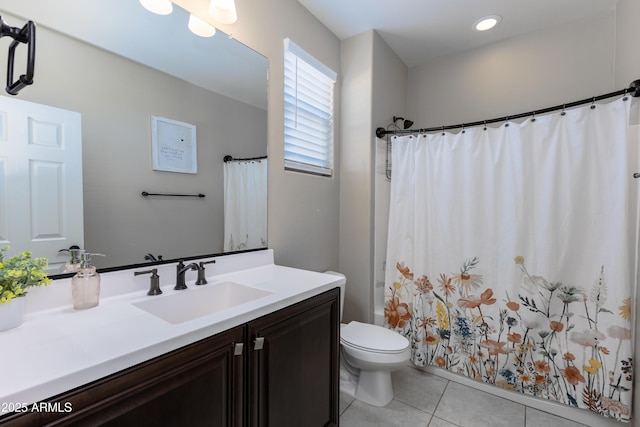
308 112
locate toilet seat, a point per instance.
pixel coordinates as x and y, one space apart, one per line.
372 338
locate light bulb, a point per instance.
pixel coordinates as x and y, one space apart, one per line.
200 28
223 11
161 7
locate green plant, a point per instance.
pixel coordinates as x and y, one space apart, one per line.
20 272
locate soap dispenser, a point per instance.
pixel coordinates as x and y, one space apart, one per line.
85 285
73 264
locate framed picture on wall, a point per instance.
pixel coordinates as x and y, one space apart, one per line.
173 146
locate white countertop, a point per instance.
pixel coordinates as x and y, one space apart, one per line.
58 348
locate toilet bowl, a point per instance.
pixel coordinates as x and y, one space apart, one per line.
369 353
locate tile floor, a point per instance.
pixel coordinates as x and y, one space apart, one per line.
425 400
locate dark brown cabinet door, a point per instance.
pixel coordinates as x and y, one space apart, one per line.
294 365
199 385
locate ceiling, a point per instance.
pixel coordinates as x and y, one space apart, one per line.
421 30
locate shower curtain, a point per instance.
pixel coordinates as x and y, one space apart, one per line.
512 254
245 204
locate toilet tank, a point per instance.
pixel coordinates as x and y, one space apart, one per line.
342 289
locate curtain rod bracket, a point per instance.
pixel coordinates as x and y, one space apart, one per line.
634 88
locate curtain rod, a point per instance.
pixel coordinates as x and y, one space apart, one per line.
231 159
633 90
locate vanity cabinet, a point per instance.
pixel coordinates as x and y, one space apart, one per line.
294 365
287 374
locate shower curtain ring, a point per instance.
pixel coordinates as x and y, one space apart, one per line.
533 118
625 97
442 130
593 103
485 125
463 130
563 108
506 121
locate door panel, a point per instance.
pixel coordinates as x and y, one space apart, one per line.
294 375
40 179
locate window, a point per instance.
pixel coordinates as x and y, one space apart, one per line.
308 112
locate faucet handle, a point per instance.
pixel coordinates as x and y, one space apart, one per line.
154 288
202 280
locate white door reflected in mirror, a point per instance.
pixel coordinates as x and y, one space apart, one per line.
40 179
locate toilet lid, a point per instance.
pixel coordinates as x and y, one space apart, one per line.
372 338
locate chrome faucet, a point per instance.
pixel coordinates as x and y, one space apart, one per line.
181 269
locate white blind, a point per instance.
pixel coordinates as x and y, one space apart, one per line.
308 112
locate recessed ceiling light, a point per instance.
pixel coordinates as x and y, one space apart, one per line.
487 22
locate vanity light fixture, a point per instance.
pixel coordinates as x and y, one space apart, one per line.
200 28
487 22
160 7
223 11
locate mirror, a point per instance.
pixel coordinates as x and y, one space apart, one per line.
119 66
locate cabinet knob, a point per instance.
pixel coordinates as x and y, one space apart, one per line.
258 343
237 349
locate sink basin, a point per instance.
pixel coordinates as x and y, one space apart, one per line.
197 302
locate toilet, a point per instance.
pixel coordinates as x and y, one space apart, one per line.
368 355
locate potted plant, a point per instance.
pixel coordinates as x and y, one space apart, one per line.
16 275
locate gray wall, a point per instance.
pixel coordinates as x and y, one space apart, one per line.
356 186
374 81
389 99
303 209
117 98
551 67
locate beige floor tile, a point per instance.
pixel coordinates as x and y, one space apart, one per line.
418 388
536 418
439 422
359 414
345 401
418 395
468 407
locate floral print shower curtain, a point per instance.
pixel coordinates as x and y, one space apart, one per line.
512 254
